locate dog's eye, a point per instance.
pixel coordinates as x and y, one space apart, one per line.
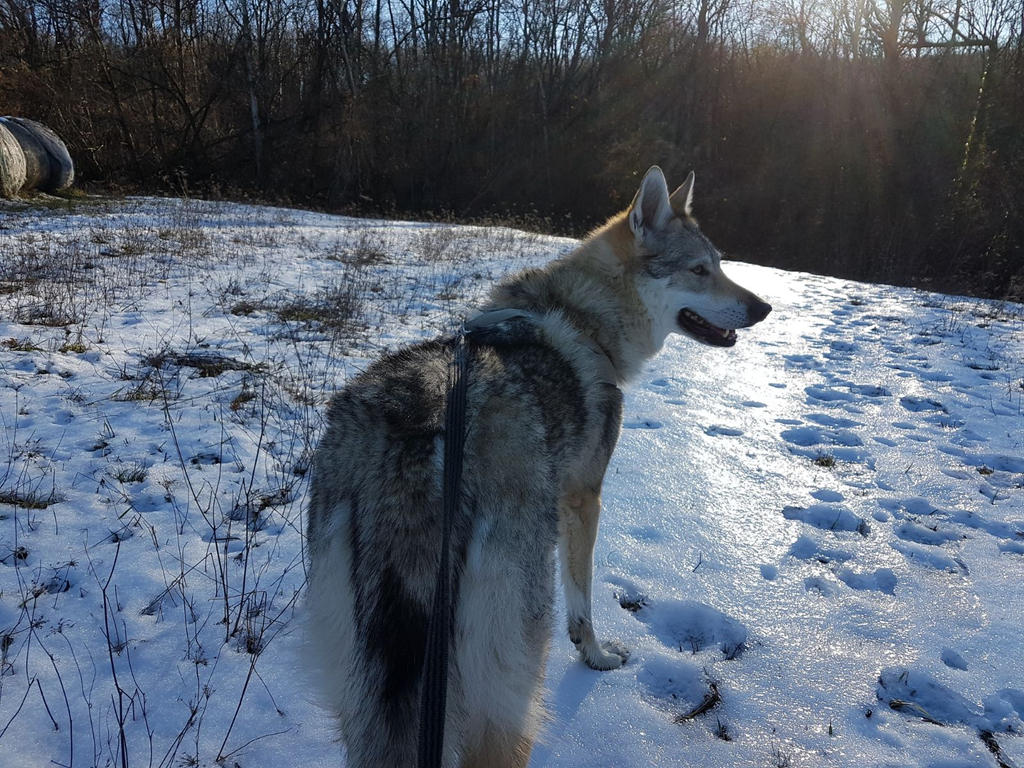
700 270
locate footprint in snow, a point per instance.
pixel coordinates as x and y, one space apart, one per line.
952 659
645 533
990 493
881 580
716 430
918 695
930 557
629 594
642 424
982 366
828 395
957 474
945 421
933 535
828 517
825 494
968 438
936 376
845 347
678 685
915 505
806 548
828 451
959 453
689 626
802 361
808 436
1012 547
167 602
996 462
917 404
870 390
838 422
206 458
917 508
820 585
63 417
846 392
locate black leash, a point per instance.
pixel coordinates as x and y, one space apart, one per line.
434 695
435 669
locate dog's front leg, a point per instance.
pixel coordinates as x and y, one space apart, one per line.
578 515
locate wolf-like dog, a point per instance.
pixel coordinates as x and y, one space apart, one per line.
543 414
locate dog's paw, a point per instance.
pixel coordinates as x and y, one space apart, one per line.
610 654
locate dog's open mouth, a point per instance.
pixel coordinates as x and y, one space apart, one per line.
702 330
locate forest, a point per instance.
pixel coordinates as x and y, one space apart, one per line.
880 140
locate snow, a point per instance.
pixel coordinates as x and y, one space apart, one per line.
814 540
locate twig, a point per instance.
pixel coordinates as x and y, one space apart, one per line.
241 698
710 699
46 706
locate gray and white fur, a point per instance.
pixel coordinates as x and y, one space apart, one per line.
542 420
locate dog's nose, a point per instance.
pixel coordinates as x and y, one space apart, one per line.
759 310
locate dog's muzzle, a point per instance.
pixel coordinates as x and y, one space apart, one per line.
702 330
709 333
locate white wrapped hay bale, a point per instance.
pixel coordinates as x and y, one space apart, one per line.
12 164
62 167
48 164
37 160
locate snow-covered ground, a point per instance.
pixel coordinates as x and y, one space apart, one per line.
813 542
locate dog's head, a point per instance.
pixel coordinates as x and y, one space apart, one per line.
680 278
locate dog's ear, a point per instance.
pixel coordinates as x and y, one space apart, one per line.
651 210
682 198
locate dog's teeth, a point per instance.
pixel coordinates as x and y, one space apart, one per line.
700 322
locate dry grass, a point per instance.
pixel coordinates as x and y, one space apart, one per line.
138 301
207 364
825 460
19 345
28 499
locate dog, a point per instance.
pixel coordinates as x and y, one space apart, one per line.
549 356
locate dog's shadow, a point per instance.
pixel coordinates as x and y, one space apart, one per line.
573 689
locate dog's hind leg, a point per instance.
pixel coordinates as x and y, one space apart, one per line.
499 750
578 514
